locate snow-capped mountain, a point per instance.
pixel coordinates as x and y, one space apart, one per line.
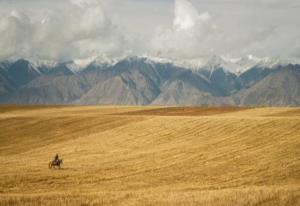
148 80
78 65
234 65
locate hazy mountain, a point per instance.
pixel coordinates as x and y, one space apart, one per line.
22 72
280 88
226 82
50 90
134 81
6 85
180 92
58 70
116 90
253 75
145 81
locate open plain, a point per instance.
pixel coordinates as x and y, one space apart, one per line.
150 156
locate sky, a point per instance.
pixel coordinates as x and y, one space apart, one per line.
176 29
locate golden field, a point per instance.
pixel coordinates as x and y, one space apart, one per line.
150 156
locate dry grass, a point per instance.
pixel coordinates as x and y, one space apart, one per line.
150 156
250 197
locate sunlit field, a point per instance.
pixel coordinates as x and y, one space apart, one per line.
150 156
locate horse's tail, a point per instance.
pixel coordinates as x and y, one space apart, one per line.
59 163
50 164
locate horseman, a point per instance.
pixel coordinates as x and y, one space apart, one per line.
55 163
56 159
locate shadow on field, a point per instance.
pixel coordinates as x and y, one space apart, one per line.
186 111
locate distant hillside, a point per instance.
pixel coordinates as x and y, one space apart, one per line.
280 88
144 81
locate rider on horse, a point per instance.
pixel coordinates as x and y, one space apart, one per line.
56 162
56 158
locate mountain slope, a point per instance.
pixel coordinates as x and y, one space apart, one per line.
50 90
281 88
116 91
131 81
22 72
179 92
144 81
254 75
224 81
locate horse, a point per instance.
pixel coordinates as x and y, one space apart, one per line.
55 164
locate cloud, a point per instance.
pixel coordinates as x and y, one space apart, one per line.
260 27
186 15
181 29
79 29
189 35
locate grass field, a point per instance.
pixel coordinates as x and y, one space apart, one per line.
150 156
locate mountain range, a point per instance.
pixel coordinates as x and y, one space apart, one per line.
152 81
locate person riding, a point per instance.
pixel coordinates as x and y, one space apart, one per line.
56 158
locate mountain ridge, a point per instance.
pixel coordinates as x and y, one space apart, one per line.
144 81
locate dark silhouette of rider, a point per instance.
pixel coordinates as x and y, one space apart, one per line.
56 158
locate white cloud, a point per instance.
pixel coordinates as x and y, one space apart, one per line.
178 29
229 28
186 15
85 3
189 36
80 29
